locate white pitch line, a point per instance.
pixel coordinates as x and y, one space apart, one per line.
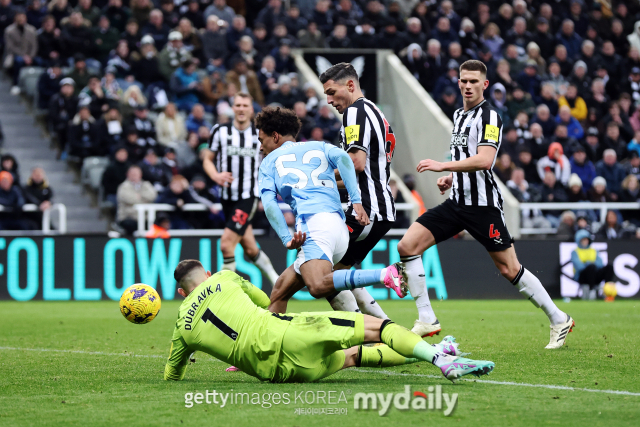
97 353
378 371
547 386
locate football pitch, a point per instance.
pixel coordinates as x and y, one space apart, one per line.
77 363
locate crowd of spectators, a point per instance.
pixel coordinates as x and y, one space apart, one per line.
14 195
142 81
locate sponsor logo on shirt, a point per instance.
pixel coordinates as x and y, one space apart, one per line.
241 151
352 133
491 132
459 140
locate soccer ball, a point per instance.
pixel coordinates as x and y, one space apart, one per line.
140 303
609 291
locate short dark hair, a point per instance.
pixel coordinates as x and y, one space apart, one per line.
184 267
338 72
278 119
474 65
243 95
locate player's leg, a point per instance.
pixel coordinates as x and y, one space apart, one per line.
415 241
327 242
486 225
343 301
317 275
528 284
283 290
228 242
362 239
238 217
257 256
436 225
411 345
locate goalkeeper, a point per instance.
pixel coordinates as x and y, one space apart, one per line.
225 316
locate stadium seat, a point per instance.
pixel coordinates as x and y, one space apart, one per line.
28 80
87 176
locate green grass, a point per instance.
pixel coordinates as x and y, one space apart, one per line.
67 388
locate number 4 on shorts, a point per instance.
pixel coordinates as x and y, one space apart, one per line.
494 234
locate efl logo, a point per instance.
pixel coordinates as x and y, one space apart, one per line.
418 401
623 266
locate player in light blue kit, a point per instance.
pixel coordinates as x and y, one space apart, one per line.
303 174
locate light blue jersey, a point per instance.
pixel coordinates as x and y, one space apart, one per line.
303 174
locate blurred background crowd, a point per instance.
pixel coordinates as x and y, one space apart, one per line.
141 82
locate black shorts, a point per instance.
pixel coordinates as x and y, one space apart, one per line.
362 239
238 215
484 223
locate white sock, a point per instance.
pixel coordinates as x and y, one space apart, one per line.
229 263
418 287
263 262
343 301
367 304
530 287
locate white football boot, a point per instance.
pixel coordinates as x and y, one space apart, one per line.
425 329
559 333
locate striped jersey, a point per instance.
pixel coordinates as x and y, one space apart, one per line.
479 126
365 128
237 152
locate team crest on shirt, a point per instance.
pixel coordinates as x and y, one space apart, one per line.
459 140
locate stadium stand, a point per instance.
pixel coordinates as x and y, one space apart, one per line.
141 81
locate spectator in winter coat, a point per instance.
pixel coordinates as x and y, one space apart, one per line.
583 167
115 174
576 104
170 127
612 172
185 84
196 119
83 135
131 192
11 200
574 128
177 194
20 46
38 192
555 161
588 268
49 85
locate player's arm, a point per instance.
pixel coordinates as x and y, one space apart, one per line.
342 161
489 131
480 162
357 134
178 358
221 178
256 295
268 196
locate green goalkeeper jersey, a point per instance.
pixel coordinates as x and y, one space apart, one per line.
225 317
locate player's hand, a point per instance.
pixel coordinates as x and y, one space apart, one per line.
444 183
361 215
430 165
297 241
223 179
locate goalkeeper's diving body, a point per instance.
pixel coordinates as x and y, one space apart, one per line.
225 316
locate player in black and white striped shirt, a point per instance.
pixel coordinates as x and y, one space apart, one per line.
475 205
232 162
369 140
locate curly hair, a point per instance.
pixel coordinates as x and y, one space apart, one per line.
278 119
